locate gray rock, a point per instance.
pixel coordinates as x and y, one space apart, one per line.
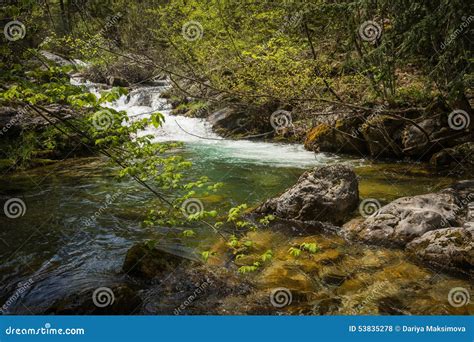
15 119
59 60
448 248
383 135
407 218
117 81
414 140
223 118
328 193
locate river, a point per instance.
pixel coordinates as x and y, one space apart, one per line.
53 247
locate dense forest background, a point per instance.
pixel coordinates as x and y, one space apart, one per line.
406 60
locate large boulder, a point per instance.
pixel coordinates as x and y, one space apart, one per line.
448 248
328 193
407 218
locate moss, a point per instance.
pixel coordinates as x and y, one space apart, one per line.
314 134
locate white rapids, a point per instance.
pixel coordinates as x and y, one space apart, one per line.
198 136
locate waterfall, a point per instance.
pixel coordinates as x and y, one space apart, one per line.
199 138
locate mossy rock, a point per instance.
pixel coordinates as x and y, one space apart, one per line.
343 137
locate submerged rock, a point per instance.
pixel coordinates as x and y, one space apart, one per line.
148 262
328 193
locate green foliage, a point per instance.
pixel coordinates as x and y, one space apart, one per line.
267 256
249 268
309 247
189 233
295 251
206 255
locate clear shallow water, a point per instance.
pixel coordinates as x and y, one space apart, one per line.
52 245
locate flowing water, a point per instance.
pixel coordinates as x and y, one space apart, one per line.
56 250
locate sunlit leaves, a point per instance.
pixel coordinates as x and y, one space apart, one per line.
309 247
